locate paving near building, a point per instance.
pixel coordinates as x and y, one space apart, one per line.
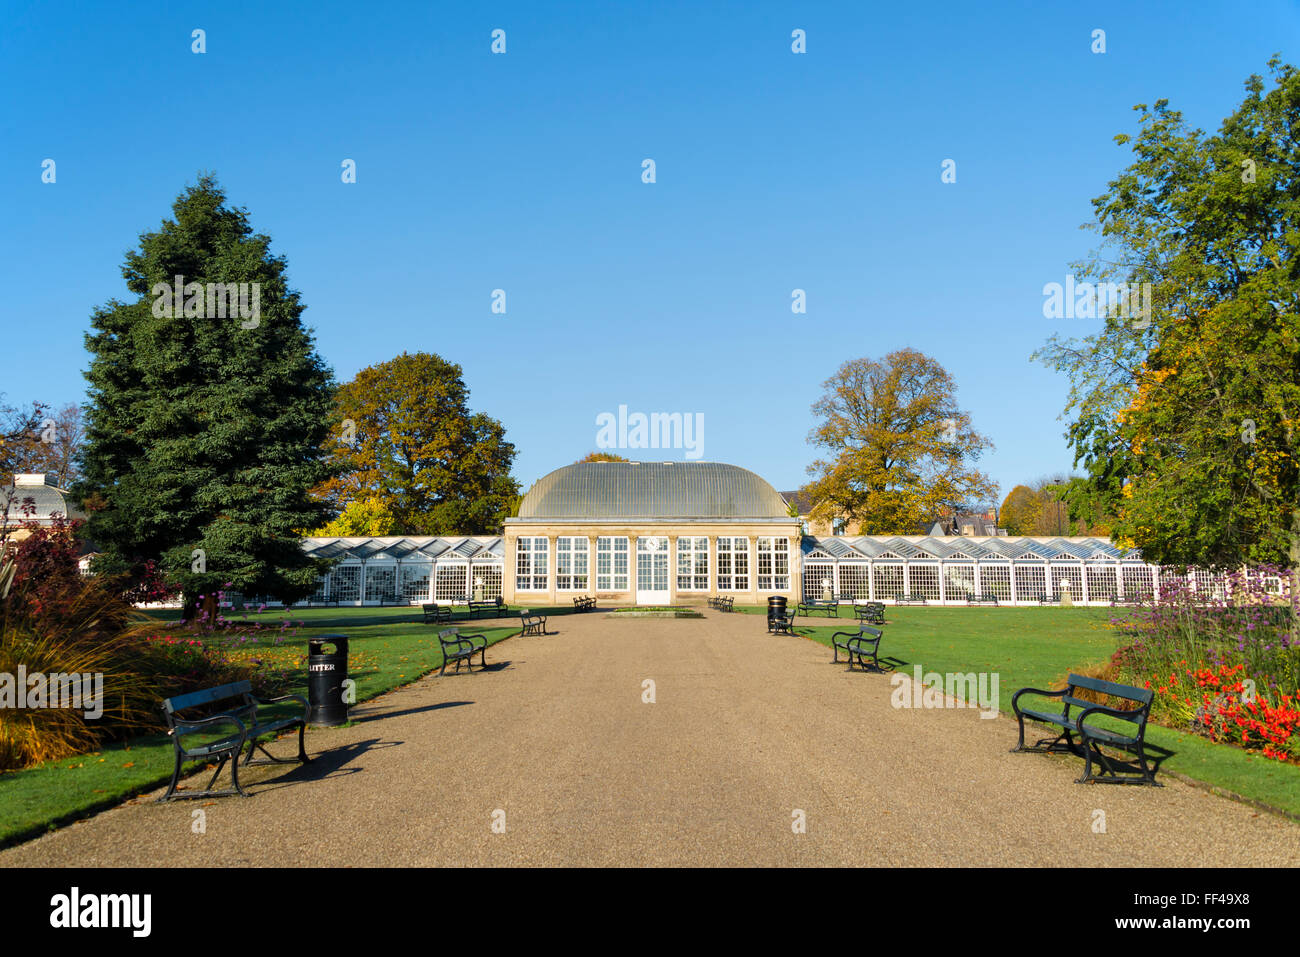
556 757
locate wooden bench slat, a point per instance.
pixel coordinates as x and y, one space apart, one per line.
194 699
1144 695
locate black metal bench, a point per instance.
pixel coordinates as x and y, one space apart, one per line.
721 603
829 605
859 645
987 598
242 718
870 612
457 647
532 624
434 613
909 600
1049 599
1091 736
781 624
488 609
584 604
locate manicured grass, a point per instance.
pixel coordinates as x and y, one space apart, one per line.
1038 647
389 647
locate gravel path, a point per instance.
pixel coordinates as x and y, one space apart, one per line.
745 730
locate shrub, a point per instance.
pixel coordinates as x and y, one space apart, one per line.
55 621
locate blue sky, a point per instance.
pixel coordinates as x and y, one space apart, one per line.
522 172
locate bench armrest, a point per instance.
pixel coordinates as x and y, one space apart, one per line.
184 726
1138 713
1039 691
284 697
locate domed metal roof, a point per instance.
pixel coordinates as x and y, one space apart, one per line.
652 490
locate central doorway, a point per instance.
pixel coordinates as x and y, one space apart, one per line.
652 570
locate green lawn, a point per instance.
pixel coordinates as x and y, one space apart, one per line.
1037 647
389 647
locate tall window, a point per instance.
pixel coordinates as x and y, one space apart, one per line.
692 563
530 564
733 564
773 564
571 563
611 564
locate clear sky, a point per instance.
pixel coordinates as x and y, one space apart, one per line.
522 171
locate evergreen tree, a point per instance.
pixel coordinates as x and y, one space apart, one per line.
206 416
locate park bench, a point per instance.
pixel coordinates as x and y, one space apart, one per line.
987 598
860 644
909 600
829 605
1049 599
434 613
1091 736
533 624
457 647
488 609
781 624
722 604
584 604
241 715
870 612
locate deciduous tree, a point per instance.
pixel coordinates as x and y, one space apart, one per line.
901 450
1188 420
409 443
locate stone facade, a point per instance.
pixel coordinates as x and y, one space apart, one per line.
642 512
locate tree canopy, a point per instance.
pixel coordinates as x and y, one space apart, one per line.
1188 419
600 457
1040 509
901 450
204 428
409 448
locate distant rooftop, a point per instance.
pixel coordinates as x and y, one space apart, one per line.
47 498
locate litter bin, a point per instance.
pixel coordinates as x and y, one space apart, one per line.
327 699
775 609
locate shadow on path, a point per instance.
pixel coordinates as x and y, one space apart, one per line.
379 715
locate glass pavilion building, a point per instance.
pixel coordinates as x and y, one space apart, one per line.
653 533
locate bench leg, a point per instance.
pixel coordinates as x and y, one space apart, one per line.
234 775
1020 744
1146 776
176 776
254 745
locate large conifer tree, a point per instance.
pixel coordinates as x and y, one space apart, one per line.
204 434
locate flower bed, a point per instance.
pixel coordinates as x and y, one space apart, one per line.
1227 668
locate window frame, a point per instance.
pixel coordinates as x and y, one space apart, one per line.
526 555
609 581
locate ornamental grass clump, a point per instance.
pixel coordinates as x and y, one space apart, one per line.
79 664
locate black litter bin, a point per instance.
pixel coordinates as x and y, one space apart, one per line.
775 609
326 696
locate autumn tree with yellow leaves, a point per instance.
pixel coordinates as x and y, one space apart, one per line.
901 451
